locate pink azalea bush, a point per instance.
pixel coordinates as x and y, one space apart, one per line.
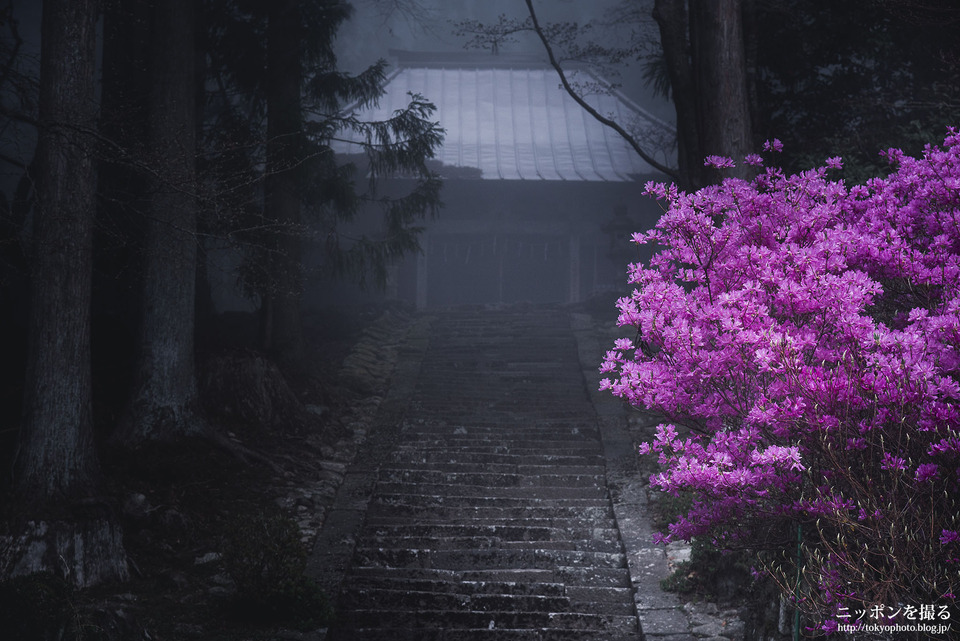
802 338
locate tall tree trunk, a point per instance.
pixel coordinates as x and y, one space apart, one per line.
164 401
57 461
751 53
703 43
282 331
720 72
204 306
671 17
118 233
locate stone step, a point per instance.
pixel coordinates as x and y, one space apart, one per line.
360 599
508 575
593 577
480 424
601 600
518 531
512 588
531 493
488 543
499 407
598 600
495 468
409 453
490 620
540 427
489 479
578 442
354 598
491 519
498 366
519 603
483 634
518 408
580 545
519 412
482 500
406 508
394 579
573 446
480 558
485 382
565 523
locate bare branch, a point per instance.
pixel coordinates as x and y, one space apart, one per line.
413 12
673 173
491 36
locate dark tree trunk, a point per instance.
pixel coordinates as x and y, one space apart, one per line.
282 331
164 402
671 17
57 461
124 107
720 71
57 455
205 307
118 233
703 43
751 51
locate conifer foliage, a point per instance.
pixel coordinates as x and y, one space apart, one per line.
240 143
212 129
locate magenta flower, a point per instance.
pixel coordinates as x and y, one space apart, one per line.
718 162
773 145
890 462
835 162
808 335
926 472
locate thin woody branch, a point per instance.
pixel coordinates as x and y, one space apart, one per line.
588 108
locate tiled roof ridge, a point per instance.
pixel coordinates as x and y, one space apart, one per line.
507 118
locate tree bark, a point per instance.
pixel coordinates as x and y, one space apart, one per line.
118 232
164 403
282 331
671 17
57 455
57 461
707 64
720 68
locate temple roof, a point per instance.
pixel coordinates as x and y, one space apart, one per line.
509 118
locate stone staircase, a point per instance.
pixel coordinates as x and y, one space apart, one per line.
490 518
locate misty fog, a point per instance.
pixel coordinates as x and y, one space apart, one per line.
379 26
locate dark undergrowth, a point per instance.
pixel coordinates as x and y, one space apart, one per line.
211 554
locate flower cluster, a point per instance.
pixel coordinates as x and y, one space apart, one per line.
802 337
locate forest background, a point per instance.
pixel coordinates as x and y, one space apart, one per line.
145 131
